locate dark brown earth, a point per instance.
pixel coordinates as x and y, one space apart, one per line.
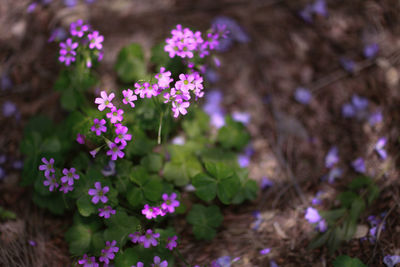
258 77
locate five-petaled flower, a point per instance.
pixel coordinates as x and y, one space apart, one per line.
149 239
171 242
129 97
170 202
47 167
95 40
122 134
88 261
51 182
108 253
69 176
159 263
98 193
115 151
104 101
150 212
115 115
106 212
99 126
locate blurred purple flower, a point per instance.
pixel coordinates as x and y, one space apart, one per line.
266 183
375 118
317 200
379 147
211 75
307 13
273 264
333 174
109 169
3 158
312 215
371 50
391 260
322 226
243 160
236 33
319 7
332 157
359 165
70 3
302 95
217 120
256 224
32 243
18 164
5 83
242 117
249 150
265 251
58 34
178 140
224 261
348 64
9 108
31 7
2 173
348 110
360 103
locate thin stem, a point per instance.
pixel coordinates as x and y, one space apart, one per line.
159 128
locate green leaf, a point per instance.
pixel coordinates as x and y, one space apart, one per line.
227 188
319 240
333 215
79 237
51 145
98 242
373 193
346 261
152 162
204 220
357 207
135 196
158 56
128 257
130 65
233 135
360 182
180 173
68 100
40 124
346 198
85 206
120 226
349 229
6 214
139 175
54 202
206 187
219 170
152 190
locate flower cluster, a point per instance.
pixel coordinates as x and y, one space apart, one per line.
115 115
375 223
358 108
185 43
98 194
168 206
66 181
313 217
148 239
107 254
82 38
331 160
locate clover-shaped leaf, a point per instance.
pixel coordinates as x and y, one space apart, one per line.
205 220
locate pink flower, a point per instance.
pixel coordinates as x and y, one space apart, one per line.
95 40
185 83
158 263
164 78
150 212
106 212
107 253
122 135
88 261
47 167
171 242
65 187
115 151
98 126
98 193
149 239
179 107
129 97
51 182
170 202
135 237
115 115
69 176
104 101
78 28
80 138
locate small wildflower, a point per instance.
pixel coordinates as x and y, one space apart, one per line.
266 183
379 148
69 176
360 103
171 242
109 169
98 193
348 64
80 138
9 109
67 52
138 264
135 237
317 200
312 215
179 107
348 110
108 253
122 134
164 78
391 261
322 226
88 261
95 40
99 126
115 115
149 239
371 50
94 152
243 161
303 95
106 212
150 212
158 263
115 151
32 243
319 7
332 157
224 261
47 167
242 117
129 97
78 28
104 101
265 251
65 187
359 165
375 118
170 202
51 182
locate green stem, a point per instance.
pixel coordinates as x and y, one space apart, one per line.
159 128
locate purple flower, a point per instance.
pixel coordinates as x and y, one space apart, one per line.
150 212
312 215
158 263
99 126
224 261
316 200
332 157
70 3
243 160
106 212
129 97
171 242
273 264
58 34
138 264
149 239
371 50
302 95
98 193
319 7
78 28
3 158
235 32
115 151
47 167
242 117
348 64
95 40
115 115
360 103
51 182
69 176
375 118
333 174
322 226
185 83
32 243
266 183
65 187
88 261
135 237
31 7
108 253
348 110
67 52
9 109
109 169
164 78
379 147
391 261
359 165
94 152
80 138
122 135
170 202
104 101
265 251
217 120
307 13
